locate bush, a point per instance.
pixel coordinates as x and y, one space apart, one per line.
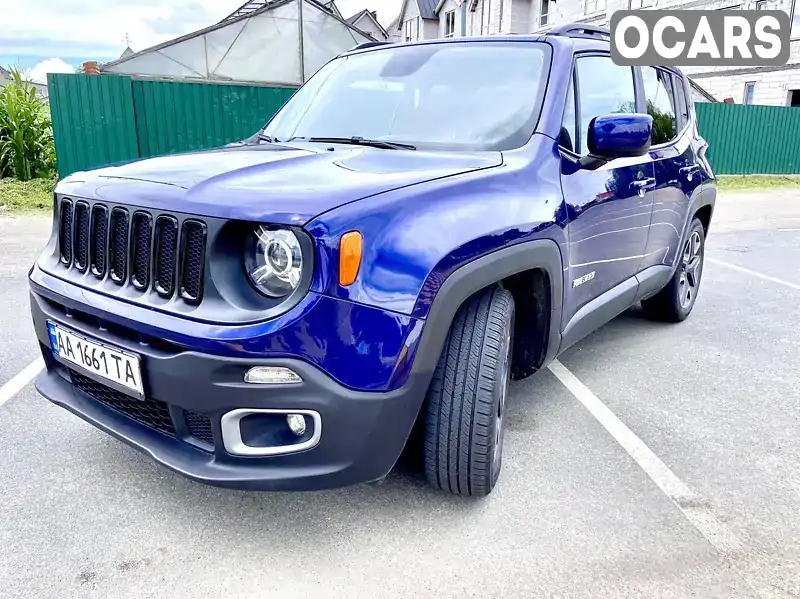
26 136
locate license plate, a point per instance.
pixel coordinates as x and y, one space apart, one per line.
105 362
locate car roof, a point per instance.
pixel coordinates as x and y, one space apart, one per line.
573 43
579 43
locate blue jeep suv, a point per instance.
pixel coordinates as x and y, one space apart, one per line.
418 225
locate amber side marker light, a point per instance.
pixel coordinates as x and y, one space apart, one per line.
349 257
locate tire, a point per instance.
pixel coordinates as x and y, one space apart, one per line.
676 300
463 426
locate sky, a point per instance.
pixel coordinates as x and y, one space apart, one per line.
57 35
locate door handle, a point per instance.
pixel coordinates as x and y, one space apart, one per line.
688 170
641 185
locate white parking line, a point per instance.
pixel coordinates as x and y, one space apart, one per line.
753 273
694 507
13 386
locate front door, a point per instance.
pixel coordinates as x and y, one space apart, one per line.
609 208
677 168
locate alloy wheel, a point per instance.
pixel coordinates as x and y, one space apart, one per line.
691 268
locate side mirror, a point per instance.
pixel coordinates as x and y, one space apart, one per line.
619 136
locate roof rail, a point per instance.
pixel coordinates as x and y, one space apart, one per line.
579 30
366 45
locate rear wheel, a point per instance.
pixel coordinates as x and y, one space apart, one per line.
465 417
675 301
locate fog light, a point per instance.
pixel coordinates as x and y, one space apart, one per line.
271 375
297 424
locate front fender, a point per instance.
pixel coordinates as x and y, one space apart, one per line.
415 238
466 280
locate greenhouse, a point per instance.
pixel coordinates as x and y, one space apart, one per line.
265 41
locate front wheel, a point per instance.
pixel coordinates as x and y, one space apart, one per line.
675 301
464 421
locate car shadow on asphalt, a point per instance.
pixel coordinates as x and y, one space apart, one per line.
402 495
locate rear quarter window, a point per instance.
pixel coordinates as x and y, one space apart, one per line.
659 95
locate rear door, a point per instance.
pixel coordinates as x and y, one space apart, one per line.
677 169
609 208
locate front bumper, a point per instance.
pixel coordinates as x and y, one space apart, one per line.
363 433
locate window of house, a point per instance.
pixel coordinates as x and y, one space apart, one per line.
594 6
418 35
544 13
749 90
603 88
795 34
761 5
407 30
450 23
660 98
642 3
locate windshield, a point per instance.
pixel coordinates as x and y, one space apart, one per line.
472 96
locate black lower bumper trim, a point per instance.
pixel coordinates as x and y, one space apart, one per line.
363 433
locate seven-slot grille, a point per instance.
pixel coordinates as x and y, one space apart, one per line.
98 240
134 248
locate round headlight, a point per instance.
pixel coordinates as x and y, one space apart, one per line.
274 260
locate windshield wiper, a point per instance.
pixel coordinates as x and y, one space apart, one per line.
264 137
360 141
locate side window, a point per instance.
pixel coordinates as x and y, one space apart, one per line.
603 88
681 101
568 140
660 99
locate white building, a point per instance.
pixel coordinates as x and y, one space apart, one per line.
418 20
367 21
427 19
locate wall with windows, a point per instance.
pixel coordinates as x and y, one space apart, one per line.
487 17
413 27
587 11
521 16
410 22
771 86
450 19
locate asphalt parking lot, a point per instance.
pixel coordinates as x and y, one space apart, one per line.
581 509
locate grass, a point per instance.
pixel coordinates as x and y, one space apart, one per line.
27 196
745 182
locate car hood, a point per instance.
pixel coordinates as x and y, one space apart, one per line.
286 185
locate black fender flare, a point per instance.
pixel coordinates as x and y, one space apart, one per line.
706 196
473 276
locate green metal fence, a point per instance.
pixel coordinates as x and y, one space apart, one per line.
746 140
93 121
114 118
